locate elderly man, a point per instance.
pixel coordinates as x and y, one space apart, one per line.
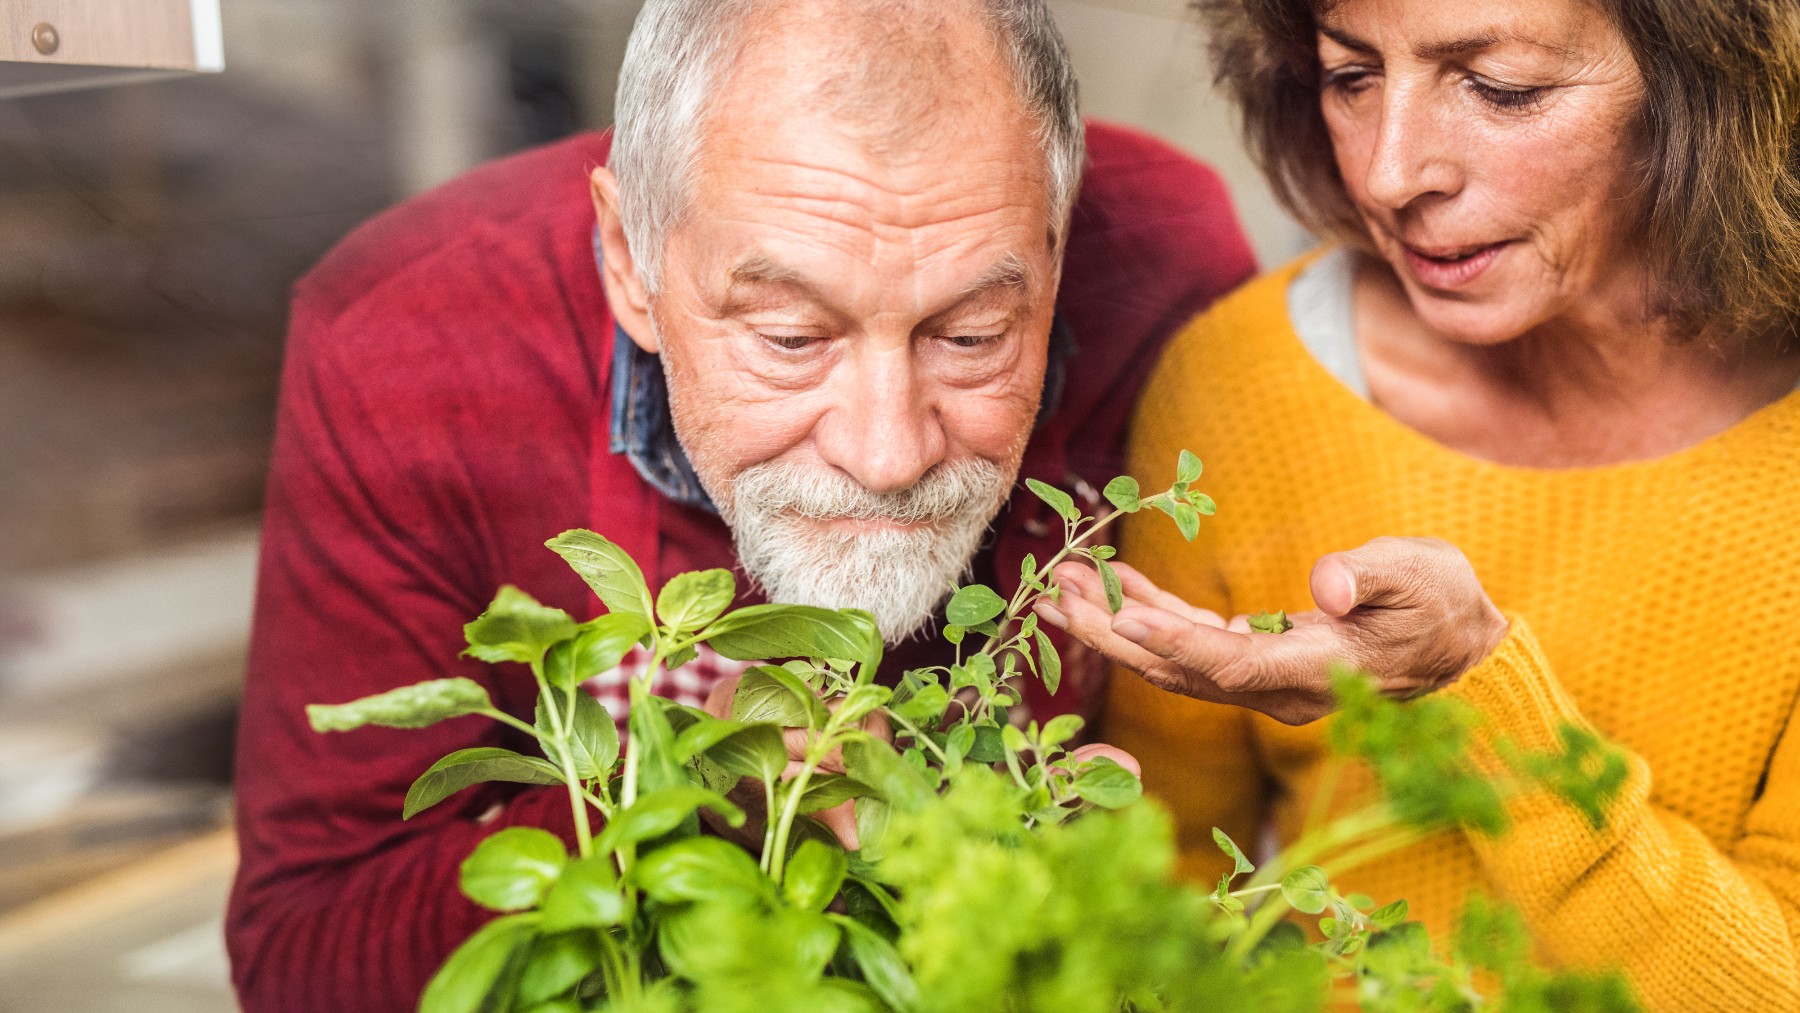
817 334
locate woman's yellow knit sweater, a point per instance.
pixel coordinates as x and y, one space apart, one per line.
1658 602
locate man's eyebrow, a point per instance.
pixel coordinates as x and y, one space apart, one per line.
1008 272
761 269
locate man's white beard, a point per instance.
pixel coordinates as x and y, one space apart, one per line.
779 513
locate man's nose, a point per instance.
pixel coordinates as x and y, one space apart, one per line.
1414 154
884 430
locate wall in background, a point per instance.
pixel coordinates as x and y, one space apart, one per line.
1143 62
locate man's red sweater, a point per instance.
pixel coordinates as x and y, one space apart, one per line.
444 410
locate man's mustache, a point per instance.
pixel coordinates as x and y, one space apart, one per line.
812 492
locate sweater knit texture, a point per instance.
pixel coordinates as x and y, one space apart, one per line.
1657 602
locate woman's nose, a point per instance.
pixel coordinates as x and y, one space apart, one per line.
1415 150
884 430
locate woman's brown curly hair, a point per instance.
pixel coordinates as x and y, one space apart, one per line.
1719 218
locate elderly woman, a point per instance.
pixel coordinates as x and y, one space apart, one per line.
1556 347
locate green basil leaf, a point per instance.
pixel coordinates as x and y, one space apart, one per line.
554 965
1058 500
463 983
700 869
875 763
774 694
691 600
1307 889
595 738
659 812
516 628
1122 492
1109 579
1188 467
764 632
417 706
826 790
654 739
753 751
974 604
814 874
606 568
513 869
598 646
880 964
872 816
465 767
1108 785
1203 503
585 896
702 735
1049 662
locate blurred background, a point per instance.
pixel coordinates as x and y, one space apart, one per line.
149 233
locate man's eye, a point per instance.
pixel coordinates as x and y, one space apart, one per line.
789 342
971 340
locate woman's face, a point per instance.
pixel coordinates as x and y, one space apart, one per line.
1492 148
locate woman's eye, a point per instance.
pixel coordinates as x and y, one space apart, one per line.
1349 80
1503 97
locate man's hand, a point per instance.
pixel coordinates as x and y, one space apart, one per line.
1408 610
748 794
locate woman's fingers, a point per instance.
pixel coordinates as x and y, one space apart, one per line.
1142 589
1096 750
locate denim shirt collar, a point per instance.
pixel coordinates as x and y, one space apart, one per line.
644 431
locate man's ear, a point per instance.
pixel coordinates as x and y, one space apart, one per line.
625 294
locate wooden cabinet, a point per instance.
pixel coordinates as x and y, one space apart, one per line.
50 45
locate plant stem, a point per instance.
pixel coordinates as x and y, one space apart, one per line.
919 737
789 810
1023 596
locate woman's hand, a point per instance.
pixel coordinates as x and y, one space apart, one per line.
1408 610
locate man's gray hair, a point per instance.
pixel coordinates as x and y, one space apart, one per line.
679 50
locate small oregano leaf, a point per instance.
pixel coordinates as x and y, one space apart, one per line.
1240 864
1122 492
1108 785
1109 579
1187 467
1049 662
1307 889
1059 501
1188 520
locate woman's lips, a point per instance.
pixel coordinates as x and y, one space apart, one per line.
1454 270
